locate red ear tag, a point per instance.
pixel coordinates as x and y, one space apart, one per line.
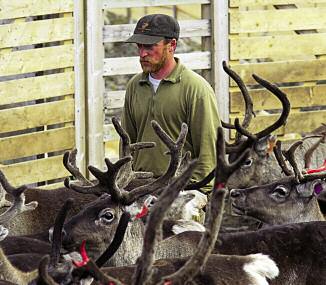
83 254
143 212
219 186
320 169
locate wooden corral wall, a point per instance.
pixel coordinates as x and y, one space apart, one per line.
285 43
37 90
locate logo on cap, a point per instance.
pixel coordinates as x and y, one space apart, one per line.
144 26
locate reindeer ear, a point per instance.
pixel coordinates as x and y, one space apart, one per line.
264 146
271 142
311 188
319 186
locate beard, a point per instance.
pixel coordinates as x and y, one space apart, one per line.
150 66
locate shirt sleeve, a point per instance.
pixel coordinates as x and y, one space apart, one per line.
204 120
127 121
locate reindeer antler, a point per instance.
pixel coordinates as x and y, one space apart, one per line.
299 176
127 149
57 232
143 271
252 138
247 99
44 276
213 217
277 149
18 205
107 180
69 161
310 151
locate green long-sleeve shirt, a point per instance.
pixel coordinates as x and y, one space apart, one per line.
184 96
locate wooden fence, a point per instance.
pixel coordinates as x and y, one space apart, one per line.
56 62
37 89
285 43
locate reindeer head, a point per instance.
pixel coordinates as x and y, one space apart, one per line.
260 166
287 200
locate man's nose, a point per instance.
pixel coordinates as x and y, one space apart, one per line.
142 52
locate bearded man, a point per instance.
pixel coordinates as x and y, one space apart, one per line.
170 93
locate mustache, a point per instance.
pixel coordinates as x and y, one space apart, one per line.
145 60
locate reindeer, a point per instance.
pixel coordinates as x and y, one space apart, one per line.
291 199
261 167
231 269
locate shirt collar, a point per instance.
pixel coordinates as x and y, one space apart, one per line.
174 76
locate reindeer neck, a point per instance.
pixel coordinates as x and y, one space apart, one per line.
131 247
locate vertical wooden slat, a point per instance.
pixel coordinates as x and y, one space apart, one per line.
80 110
95 83
220 51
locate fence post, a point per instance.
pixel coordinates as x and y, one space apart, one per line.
220 33
95 83
80 72
218 44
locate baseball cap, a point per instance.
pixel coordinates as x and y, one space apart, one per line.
153 28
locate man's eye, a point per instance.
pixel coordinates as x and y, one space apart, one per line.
145 46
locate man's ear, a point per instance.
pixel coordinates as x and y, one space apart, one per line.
173 45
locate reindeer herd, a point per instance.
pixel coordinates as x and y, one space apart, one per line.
127 227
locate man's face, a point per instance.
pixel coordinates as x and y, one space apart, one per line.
153 57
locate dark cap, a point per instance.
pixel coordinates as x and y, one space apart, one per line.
153 28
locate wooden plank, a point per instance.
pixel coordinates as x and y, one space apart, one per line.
220 52
283 71
194 60
39 87
277 20
35 170
52 186
188 28
37 115
95 83
37 143
28 33
237 3
112 4
114 99
34 60
296 123
80 85
110 134
112 150
24 8
302 96
277 46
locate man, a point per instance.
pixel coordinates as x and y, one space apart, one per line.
170 93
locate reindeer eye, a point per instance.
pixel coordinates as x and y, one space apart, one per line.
247 163
280 191
107 216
